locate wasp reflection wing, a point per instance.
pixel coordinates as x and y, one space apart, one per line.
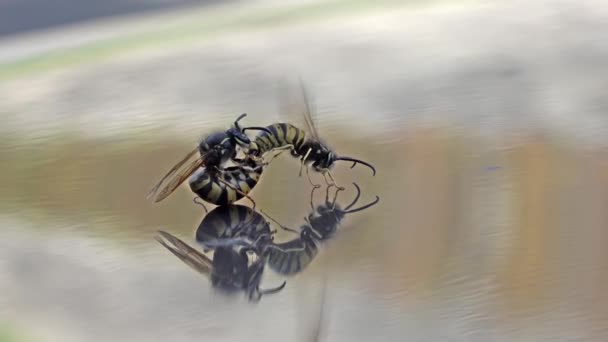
190 256
176 178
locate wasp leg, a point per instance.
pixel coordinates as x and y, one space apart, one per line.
227 242
272 290
237 241
285 250
327 193
304 161
307 219
310 180
333 203
269 237
272 158
200 203
326 172
279 224
255 295
312 205
284 148
332 182
281 150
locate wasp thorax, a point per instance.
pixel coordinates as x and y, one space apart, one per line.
317 153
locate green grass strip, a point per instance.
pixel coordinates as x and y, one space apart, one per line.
194 29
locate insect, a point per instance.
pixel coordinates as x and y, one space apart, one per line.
231 270
211 181
312 151
232 225
293 256
228 185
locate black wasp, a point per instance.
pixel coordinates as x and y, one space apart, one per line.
293 256
235 233
209 179
312 151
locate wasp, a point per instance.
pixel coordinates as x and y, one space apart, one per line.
230 271
320 225
312 150
225 186
236 234
232 225
208 178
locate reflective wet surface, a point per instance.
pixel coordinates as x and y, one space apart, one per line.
486 125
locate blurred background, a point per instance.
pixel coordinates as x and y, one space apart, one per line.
486 120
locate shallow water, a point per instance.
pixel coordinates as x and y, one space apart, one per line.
491 221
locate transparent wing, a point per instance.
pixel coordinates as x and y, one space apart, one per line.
190 256
308 113
297 106
175 177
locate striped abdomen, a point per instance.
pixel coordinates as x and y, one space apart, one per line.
293 256
207 186
283 134
227 221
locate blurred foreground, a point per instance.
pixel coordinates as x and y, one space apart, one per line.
486 123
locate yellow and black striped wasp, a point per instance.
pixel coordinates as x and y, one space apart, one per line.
209 179
230 271
320 225
236 234
232 225
312 150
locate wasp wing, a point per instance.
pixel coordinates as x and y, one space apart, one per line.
291 105
308 113
190 256
176 178
171 172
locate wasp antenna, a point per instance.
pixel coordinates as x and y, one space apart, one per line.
356 197
240 117
195 200
363 207
236 122
355 161
274 289
255 128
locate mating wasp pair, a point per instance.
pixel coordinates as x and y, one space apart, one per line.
243 243
228 167
214 182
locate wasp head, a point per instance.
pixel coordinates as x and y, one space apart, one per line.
326 220
319 154
229 270
238 136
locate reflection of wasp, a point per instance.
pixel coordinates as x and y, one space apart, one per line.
211 182
232 225
230 271
311 151
293 256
